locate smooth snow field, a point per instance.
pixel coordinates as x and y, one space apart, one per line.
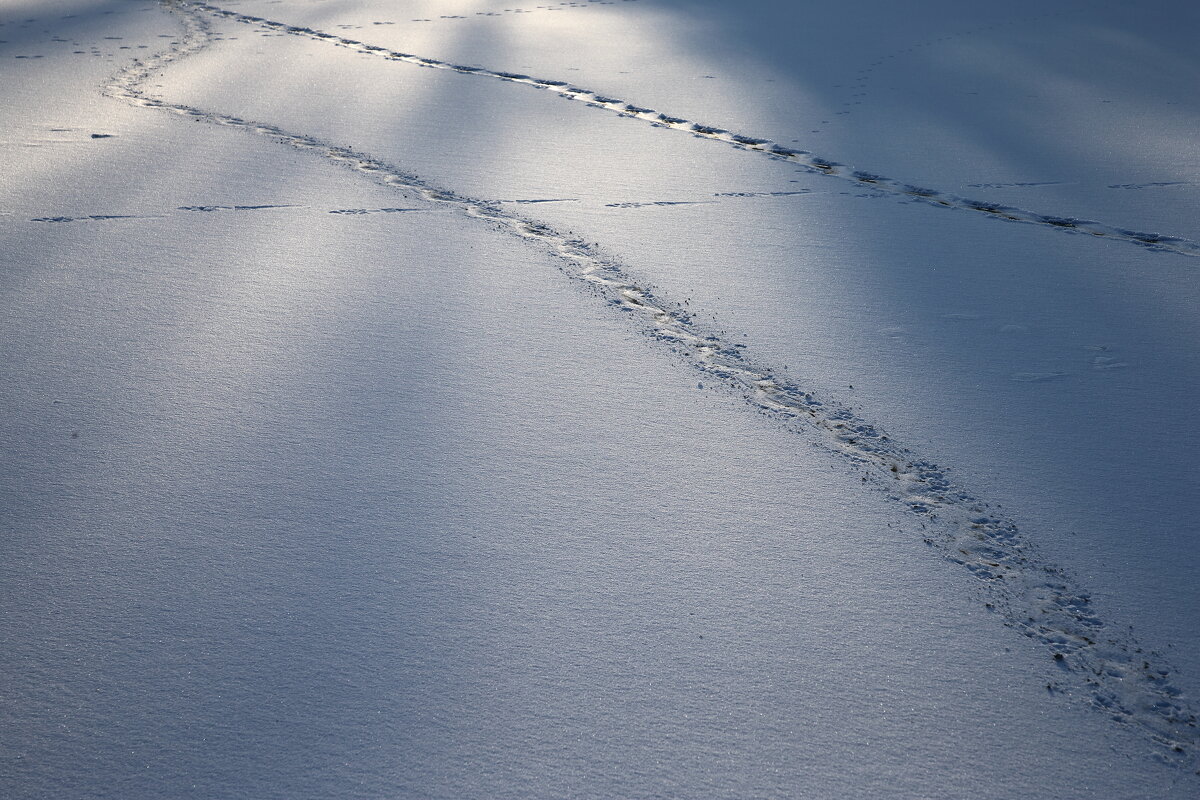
599 399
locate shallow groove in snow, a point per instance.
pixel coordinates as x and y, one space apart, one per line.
721 196
1153 241
1100 664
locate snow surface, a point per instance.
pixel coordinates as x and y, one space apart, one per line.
320 482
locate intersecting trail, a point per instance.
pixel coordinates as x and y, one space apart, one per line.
1100 664
1153 241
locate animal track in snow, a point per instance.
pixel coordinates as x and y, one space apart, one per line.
1016 185
231 208
1154 185
219 208
210 209
562 6
648 203
763 194
543 200
1153 241
1100 663
89 218
358 212
1037 377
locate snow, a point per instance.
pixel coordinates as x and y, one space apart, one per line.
421 478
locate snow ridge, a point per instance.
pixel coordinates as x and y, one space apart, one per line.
1100 664
863 179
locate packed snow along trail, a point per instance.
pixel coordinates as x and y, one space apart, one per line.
772 149
1101 665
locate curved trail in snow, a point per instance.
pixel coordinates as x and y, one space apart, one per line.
1100 664
861 178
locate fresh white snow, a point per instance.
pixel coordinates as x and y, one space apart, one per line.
469 429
